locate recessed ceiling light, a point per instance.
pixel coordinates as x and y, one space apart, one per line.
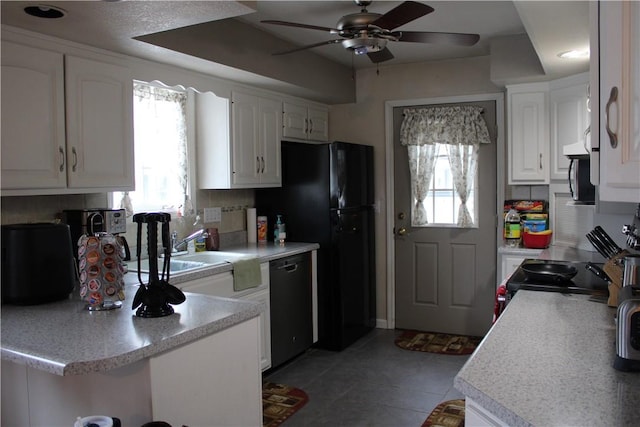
45 11
575 54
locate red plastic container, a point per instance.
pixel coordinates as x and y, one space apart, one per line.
536 241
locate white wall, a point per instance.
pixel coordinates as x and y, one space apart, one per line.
363 122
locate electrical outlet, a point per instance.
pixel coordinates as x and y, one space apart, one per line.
212 215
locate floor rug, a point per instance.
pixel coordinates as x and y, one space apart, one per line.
447 414
433 342
279 402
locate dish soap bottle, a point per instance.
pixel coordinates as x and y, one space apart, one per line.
200 241
512 228
276 229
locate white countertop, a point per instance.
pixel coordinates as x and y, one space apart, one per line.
549 361
64 338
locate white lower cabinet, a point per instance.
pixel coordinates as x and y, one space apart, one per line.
475 415
221 285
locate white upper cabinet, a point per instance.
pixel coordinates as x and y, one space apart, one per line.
99 124
33 132
568 121
305 122
619 100
44 154
528 136
247 156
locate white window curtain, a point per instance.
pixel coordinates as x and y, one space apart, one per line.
462 129
161 145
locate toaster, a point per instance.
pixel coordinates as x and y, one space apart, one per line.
628 330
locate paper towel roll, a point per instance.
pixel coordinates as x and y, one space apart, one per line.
252 226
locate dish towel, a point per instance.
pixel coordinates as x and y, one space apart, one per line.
246 274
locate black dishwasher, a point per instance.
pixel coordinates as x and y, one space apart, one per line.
291 307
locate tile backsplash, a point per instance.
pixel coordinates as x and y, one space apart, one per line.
233 203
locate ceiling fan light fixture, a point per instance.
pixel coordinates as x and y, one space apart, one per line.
364 45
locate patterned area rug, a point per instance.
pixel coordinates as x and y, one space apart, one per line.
447 414
433 342
279 402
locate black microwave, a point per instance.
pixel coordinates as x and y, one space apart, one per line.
580 186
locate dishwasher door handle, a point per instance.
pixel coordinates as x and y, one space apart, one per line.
289 268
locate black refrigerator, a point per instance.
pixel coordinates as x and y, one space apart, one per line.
327 198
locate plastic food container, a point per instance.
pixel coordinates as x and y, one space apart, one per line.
539 240
535 225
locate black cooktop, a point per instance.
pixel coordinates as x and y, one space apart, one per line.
584 282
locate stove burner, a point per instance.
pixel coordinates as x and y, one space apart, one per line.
584 282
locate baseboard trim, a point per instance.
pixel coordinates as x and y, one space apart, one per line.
382 324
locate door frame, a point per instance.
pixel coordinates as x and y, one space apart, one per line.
498 97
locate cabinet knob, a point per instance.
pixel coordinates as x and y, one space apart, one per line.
613 97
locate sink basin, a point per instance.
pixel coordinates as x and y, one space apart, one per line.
189 262
210 257
176 265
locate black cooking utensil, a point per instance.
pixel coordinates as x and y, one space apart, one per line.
609 253
554 272
596 244
607 239
598 272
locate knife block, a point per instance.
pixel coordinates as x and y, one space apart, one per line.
614 269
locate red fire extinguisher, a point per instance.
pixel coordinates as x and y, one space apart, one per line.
501 302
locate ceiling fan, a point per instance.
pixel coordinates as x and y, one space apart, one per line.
368 33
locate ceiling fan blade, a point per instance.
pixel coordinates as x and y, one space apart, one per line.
380 56
461 39
297 49
402 14
293 24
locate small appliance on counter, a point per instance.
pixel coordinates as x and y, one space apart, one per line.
628 330
38 263
98 220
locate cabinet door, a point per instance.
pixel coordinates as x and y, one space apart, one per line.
318 124
33 133
270 136
295 121
619 115
528 140
245 154
99 98
568 124
265 327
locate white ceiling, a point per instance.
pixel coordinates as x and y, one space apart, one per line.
552 26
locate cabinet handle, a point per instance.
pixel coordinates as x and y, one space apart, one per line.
306 125
258 163
310 126
75 159
540 161
61 158
262 158
613 97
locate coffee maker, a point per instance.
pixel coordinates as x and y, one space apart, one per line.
98 220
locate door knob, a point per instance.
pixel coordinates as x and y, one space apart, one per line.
402 231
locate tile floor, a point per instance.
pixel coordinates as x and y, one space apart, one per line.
371 383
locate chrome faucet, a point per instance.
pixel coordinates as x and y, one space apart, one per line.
175 244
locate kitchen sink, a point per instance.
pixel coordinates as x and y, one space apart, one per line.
188 262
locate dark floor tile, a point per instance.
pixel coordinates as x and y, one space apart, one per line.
373 382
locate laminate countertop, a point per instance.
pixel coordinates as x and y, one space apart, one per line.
547 361
64 338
